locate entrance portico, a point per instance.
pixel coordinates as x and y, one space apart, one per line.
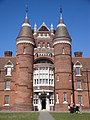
45 100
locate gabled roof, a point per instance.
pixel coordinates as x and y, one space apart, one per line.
43 27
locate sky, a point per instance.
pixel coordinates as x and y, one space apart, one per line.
76 15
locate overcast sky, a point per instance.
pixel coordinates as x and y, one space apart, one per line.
76 15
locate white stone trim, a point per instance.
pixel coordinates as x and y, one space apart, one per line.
61 41
79 89
75 65
25 41
78 104
43 90
9 66
8 89
65 102
78 75
26 24
44 54
61 25
6 105
44 85
51 105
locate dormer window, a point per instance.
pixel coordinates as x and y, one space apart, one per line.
78 67
8 68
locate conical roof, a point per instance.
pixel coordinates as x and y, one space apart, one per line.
26 30
61 31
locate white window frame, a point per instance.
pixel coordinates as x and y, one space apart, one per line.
7 85
77 67
8 68
35 99
8 71
52 100
65 98
57 98
78 71
43 77
80 99
6 101
79 85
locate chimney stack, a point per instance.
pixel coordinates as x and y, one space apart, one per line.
78 54
8 54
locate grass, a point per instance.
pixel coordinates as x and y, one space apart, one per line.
19 115
69 116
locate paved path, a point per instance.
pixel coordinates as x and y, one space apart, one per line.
45 116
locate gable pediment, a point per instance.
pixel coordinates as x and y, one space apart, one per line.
43 27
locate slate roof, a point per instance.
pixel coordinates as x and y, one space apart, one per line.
85 61
26 30
61 31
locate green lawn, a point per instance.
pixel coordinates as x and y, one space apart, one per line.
19 115
69 116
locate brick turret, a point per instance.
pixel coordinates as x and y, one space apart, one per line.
24 68
63 67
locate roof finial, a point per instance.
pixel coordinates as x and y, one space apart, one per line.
60 9
26 9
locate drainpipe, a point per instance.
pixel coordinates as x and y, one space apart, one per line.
73 86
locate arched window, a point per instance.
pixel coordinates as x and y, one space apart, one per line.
48 45
43 45
39 45
63 50
24 50
8 68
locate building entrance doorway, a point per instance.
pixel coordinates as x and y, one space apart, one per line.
43 103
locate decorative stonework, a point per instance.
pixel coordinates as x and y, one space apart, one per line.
24 41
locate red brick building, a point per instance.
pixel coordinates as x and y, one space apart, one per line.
43 74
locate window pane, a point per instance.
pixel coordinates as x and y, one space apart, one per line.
79 99
8 84
8 71
78 71
63 50
79 84
57 98
6 99
65 97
